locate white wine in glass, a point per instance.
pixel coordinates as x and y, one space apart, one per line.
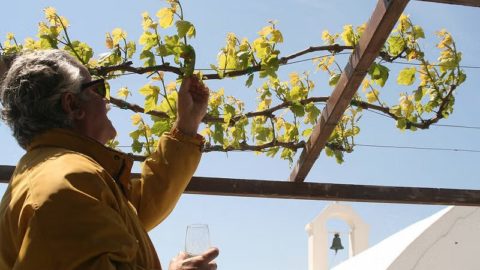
197 239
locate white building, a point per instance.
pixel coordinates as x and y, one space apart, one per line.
446 240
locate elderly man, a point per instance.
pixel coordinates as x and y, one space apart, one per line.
71 203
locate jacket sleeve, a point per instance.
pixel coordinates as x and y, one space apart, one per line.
77 227
165 175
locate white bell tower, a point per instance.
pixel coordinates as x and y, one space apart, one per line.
318 242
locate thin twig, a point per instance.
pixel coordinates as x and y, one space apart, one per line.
335 48
136 108
247 147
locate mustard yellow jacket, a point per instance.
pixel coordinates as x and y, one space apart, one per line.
71 203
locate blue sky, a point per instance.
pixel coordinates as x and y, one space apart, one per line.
269 233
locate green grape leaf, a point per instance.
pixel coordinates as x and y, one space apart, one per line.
297 109
272 151
160 127
276 36
461 77
168 104
419 94
379 73
396 45
418 32
136 134
406 76
218 133
396 110
131 49
150 103
189 60
249 81
148 40
137 146
338 156
165 16
123 93
328 152
348 35
406 105
81 49
287 154
136 119
307 132
334 79
48 42
312 114
149 58
263 133
402 123
296 92
229 113
372 96
184 28
149 90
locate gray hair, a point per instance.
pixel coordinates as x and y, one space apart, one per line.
31 91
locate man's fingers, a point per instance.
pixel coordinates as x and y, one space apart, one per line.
212 266
201 262
199 97
210 254
182 255
187 83
198 86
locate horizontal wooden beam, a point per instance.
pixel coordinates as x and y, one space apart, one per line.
471 3
319 191
6 173
378 28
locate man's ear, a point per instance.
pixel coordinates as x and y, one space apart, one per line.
71 106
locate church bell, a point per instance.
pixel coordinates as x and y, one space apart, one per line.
336 243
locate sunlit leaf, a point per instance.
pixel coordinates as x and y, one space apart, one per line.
160 127
148 40
379 73
165 16
372 96
396 45
136 119
149 58
406 76
117 35
348 35
123 92
298 109
184 27
334 79
418 32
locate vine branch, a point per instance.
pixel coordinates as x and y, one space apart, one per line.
247 147
136 108
424 124
127 66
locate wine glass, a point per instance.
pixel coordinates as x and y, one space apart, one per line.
197 239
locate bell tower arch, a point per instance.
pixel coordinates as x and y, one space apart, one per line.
318 234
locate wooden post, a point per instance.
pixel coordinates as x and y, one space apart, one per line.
376 33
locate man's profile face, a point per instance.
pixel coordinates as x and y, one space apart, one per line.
95 122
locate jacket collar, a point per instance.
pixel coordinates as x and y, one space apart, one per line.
116 163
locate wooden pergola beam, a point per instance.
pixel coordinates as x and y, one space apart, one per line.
376 33
471 3
318 191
